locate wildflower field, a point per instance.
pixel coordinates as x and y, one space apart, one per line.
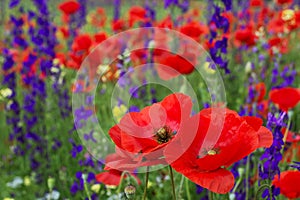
149 99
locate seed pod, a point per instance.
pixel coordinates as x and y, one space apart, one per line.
129 191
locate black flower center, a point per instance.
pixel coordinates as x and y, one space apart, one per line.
163 134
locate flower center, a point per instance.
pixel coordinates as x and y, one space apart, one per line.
163 135
212 152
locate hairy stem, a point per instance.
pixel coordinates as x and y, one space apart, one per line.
146 184
173 184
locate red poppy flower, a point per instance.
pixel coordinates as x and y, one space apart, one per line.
112 176
276 25
193 30
126 161
285 98
166 23
118 25
256 3
69 7
148 131
297 18
176 65
280 43
136 14
82 42
205 164
245 36
100 37
288 183
281 2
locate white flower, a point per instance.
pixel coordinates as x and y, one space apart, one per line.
53 195
15 183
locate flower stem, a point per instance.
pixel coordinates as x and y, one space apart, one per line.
173 185
87 190
270 192
247 176
188 194
210 195
180 187
287 130
121 182
146 184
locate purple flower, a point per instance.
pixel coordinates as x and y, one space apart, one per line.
219 50
151 13
81 114
296 165
75 150
169 3
272 156
117 8
13 3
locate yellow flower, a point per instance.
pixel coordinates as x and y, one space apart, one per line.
288 15
6 92
119 111
27 181
96 188
208 68
55 61
7 198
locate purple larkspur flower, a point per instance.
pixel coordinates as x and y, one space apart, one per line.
219 50
150 10
295 165
13 3
117 7
168 3
272 156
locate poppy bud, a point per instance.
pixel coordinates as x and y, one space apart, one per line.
129 191
50 182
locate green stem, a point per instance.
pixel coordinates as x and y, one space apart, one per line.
287 130
173 184
187 187
210 195
146 184
237 184
121 182
87 190
247 176
180 187
286 134
271 193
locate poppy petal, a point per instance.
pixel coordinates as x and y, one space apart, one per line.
219 181
285 98
255 122
109 178
178 108
265 137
